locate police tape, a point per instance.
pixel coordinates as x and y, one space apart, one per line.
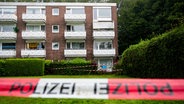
147 89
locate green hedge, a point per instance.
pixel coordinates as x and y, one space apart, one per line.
160 57
69 67
23 67
2 64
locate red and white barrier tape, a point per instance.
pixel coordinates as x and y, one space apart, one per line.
148 89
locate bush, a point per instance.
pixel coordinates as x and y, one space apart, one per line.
24 67
76 66
2 71
160 57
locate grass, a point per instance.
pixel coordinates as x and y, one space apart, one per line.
18 100
73 76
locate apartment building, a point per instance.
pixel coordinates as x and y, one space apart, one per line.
58 31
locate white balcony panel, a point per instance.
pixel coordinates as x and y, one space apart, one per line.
33 53
103 25
75 53
104 52
33 35
8 35
75 35
103 34
75 17
7 53
8 18
34 18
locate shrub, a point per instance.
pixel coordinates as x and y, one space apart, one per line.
24 67
2 71
160 57
70 67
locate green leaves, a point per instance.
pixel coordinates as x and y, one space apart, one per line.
160 57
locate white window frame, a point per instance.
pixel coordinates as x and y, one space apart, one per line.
7 7
75 42
55 31
70 11
41 9
55 13
99 41
1 45
100 18
54 43
2 27
40 25
109 67
72 27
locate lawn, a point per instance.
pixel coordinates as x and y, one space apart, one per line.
17 100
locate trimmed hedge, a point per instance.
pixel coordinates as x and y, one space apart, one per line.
23 67
2 71
76 66
160 57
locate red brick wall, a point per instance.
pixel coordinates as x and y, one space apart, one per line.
114 18
21 26
89 32
55 37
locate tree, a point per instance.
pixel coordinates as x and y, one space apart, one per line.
144 19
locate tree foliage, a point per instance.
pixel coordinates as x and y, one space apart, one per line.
144 19
159 57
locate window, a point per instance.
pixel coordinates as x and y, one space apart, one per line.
7 10
8 46
35 45
75 10
35 11
35 28
103 45
55 11
7 28
102 14
75 45
105 64
55 46
75 27
55 28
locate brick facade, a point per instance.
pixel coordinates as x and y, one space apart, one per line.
59 37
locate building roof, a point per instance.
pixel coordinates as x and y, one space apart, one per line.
54 4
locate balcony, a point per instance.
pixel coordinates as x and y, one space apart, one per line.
7 53
34 18
75 53
8 18
75 35
103 25
33 53
8 35
103 34
75 17
33 35
104 52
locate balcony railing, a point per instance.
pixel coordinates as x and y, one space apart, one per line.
75 35
7 53
103 34
8 35
8 18
104 52
34 18
33 53
75 53
103 25
75 17
33 35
